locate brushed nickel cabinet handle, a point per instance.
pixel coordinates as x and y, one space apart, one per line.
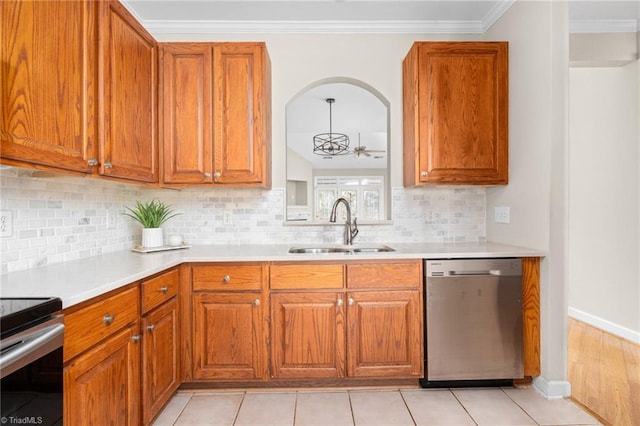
108 319
351 301
339 302
164 290
226 278
92 162
256 302
216 175
424 174
207 174
136 338
108 165
150 327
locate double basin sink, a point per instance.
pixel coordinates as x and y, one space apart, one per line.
341 249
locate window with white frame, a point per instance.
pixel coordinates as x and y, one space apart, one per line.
364 193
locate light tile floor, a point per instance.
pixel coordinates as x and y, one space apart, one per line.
387 407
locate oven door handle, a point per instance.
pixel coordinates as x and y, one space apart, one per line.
30 345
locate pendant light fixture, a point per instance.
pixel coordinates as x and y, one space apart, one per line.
328 144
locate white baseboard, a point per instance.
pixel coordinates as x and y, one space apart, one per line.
605 325
552 389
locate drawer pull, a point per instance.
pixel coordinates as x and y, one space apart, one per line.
351 301
164 290
136 338
339 302
256 302
226 278
150 327
108 319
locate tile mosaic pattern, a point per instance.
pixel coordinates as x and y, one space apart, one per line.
385 407
61 218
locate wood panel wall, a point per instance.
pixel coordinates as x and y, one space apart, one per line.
604 371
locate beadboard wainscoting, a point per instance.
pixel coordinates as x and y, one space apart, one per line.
59 218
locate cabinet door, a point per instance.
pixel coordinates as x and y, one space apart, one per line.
159 358
384 334
228 340
102 386
456 113
307 335
242 108
49 90
128 105
187 113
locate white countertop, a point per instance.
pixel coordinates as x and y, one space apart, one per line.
82 279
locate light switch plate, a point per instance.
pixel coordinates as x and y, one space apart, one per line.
502 214
6 223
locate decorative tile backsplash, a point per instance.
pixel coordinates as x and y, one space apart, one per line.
59 218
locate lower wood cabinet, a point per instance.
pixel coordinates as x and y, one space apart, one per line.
160 375
384 334
228 336
115 372
228 321
102 385
307 335
365 323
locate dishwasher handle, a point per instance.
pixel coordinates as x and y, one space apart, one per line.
484 273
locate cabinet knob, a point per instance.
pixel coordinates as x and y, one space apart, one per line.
136 338
92 162
226 278
423 173
164 290
150 327
339 302
351 301
108 319
108 165
256 302
216 175
207 174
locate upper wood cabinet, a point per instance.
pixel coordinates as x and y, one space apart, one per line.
455 115
48 75
216 100
79 89
128 104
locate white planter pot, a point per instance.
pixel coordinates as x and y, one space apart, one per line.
152 237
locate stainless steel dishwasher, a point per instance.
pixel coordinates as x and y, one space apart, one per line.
473 322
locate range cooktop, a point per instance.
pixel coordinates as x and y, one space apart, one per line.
18 313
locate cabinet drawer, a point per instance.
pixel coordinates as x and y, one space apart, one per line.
159 289
227 276
405 274
88 326
306 276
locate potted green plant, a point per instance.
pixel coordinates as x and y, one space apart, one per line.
151 215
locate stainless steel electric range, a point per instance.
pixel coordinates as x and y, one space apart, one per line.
31 382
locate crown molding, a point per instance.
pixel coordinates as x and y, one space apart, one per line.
304 26
605 26
496 13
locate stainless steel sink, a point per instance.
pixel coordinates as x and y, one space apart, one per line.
378 249
318 250
345 250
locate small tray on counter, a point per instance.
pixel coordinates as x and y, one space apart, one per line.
140 249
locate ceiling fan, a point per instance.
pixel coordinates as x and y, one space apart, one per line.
361 150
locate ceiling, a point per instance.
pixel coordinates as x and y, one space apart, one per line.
362 16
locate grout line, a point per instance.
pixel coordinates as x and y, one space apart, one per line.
235 419
407 407
520 406
184 407
353 417
463 407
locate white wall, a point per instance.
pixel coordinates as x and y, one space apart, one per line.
604 196
538 36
